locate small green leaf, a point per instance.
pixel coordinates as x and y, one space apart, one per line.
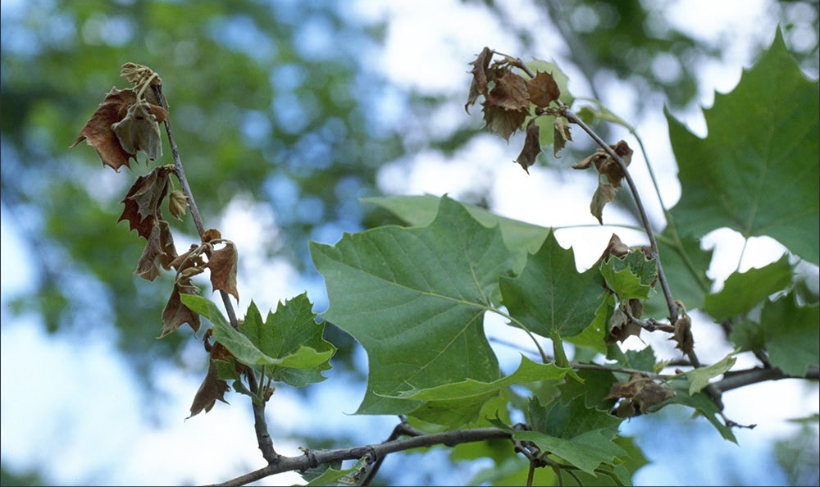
699 378
630 277
550 294
744 291
586 451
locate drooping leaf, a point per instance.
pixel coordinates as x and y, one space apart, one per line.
543 89
478 86
222 265
176 313
699 377
415 299
532 147
139 131
142 203
550 294
604 193
159 251
177 204
562 135
743 291
211 390
758 177
502 121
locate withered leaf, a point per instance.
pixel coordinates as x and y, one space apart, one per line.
222 264
142 203
615 247
653 394
621 327
212 389
603 195
177 314
510 93
177 204
532 146
561 134
504 122
638 394
211 234
159 251
478 86
683 334
139 131
543 89
98 132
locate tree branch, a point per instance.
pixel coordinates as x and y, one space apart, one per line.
260 424
311 458
742 378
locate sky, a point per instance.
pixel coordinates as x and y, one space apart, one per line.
100 408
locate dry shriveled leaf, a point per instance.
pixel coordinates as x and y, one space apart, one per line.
532 146
612 174
621 327
142 203
211 390
222 264
479 83
604 194
543 89
510 93
504 122
139 131
177 204
683 334
159 251
561 134
177 314
615 247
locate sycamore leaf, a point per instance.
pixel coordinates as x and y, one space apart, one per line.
142 203
510 93
415 299
222 264
792 335
638 394
176 313
758 177
631 277
479 72
550 294
543 89
743 291
460 403
685 265
246 348
700 402
211 390
177 204
683 334
139 131
620 327
699 377
561 135
532 147
558 76
159 251
419 211
99 132
502 121
605 193
284 333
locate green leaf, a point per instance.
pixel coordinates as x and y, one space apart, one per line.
685 265
460 403
330 476
630 277
291 332
421 210
757 171
701 403
586 451
744 291
248 350
550 294
699 378
415 299
792 334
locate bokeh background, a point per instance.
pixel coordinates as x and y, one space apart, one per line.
286 113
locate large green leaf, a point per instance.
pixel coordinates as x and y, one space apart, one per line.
685 266
421 210
470 395
757 170
415 299
744 291
551 295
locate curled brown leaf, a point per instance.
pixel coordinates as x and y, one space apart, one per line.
532 146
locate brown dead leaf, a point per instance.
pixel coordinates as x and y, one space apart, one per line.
222 264
510 93
615 247
211 390
177 314
621 327
543 89
211 234
683 334
603 195
532 146
142 203
561 134
159 251
479 83
653 394
504 122
177 204
139 131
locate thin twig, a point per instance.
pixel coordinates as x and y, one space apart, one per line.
260 424
303 462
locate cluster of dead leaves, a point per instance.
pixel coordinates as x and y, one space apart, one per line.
509 100
637 395
126 123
